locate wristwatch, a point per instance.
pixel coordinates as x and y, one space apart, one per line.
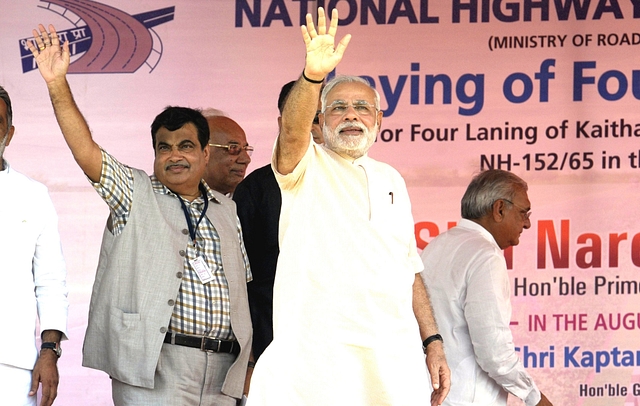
429 340
55 347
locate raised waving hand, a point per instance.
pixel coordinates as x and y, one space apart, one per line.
52 58
322 54
53 63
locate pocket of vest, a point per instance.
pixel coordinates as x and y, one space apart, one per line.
123 320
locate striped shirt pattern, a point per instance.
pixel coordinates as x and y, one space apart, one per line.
200 309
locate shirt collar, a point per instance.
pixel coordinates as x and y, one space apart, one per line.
210 195
160 188
356 161
472 225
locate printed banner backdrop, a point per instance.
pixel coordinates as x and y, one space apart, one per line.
548 90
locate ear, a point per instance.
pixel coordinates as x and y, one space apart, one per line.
498 210
207 152
10 135
279 123
379 119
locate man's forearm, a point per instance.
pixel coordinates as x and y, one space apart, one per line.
72 124
297 117
75 129
51 336
422 309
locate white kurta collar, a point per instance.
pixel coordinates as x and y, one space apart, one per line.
356 161
472 225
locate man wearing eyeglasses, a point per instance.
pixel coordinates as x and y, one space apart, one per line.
230 153
169 317
467 278
349 307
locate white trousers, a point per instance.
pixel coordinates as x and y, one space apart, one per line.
15 384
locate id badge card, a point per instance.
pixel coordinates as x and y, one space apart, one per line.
202 269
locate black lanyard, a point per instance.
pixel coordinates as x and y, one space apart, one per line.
192 228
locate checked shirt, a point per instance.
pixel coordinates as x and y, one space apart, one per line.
200 309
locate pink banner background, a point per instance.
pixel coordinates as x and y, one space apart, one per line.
209 60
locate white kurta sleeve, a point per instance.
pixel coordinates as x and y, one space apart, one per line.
49 273
487 309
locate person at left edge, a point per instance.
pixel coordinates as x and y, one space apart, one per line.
33 280
171 280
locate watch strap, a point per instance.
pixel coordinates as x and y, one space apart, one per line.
55 347
430 339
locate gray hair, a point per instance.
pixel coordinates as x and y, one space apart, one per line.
4 96
487 187
347 79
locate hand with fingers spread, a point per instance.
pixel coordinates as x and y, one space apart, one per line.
322 55
52 59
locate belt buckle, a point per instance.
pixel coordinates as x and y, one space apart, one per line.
202 344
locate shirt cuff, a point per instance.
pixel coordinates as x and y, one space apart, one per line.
534 397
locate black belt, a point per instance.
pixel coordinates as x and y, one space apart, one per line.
203 343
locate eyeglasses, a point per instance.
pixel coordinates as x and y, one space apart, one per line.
234 149
525 213
361 107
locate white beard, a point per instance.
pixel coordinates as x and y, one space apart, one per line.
353 146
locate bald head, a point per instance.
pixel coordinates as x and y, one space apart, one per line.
225 170
222 127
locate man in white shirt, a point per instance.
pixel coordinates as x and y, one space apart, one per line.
33 280
349 307
467 278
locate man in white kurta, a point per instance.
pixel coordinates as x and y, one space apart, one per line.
469 287
470 292
33 282
349 316
344 328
